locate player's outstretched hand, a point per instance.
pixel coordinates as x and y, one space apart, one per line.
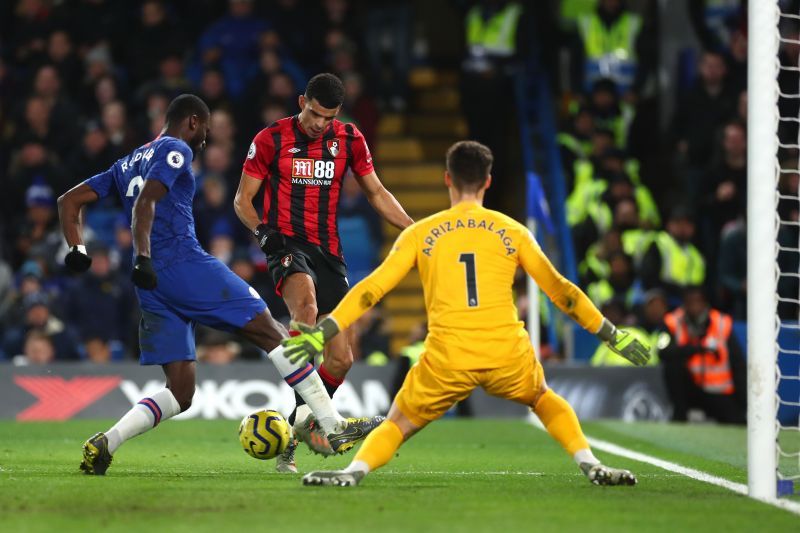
143 275
629 347
77 260
270 241
306 346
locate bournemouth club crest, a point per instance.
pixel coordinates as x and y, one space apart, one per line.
333 147
287 260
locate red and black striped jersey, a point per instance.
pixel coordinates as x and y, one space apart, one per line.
304 177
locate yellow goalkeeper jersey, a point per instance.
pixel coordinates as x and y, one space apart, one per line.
467 256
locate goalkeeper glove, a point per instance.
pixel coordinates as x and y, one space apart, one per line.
624 344
311 341
270 241
77 260
144 275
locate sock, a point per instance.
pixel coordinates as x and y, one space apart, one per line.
357 466
307 383
302 412
561 422
378 449
585 456
142 417
298 400
331 383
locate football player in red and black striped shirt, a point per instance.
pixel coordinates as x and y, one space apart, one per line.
302 160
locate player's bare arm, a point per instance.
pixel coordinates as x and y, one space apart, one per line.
384 201
70 214
144 212
270 240
243 201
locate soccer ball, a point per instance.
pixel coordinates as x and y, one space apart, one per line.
264 434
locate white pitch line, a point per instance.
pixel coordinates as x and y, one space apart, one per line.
739 488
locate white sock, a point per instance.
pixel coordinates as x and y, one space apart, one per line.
142 417
585 456
357 466
305 380
303 412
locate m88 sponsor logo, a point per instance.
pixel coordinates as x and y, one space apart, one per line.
312 171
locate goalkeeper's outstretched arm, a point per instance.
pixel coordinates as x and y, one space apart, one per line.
574 302
370 290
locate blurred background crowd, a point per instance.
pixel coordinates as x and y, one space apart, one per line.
82 83
651 121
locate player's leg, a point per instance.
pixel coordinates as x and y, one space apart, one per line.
299 294
337 360
427 393
379 448
266 333
332 286
299 290
165 339
562 424
524 382
312 285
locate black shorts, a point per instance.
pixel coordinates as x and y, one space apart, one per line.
328 272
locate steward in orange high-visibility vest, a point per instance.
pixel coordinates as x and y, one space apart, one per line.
703 362
710 370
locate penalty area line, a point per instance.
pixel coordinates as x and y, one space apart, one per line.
698 475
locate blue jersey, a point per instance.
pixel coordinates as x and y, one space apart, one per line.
169 161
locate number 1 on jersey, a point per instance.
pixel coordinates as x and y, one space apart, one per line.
472 284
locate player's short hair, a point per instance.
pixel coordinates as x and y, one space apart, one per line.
327 89
469 163
184 106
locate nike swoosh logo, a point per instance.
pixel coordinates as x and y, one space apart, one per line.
348 433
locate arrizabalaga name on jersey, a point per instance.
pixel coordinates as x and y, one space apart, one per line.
469 223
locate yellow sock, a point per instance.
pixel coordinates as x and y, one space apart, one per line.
380 446
561 421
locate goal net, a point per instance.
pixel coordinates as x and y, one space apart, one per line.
773 258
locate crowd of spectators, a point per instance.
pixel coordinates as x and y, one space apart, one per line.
672 267
83 82
631 245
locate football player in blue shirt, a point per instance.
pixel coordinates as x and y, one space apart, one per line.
179 285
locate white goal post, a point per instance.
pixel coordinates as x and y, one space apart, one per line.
762 231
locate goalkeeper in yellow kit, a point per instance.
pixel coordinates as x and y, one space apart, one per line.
467 256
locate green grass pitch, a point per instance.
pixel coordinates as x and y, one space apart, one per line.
454 476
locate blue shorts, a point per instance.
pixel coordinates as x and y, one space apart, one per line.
201 291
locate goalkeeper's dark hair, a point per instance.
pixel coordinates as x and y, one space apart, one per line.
184 106
327 89
469 163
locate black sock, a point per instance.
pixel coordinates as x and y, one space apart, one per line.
298 401
331 383
330 388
